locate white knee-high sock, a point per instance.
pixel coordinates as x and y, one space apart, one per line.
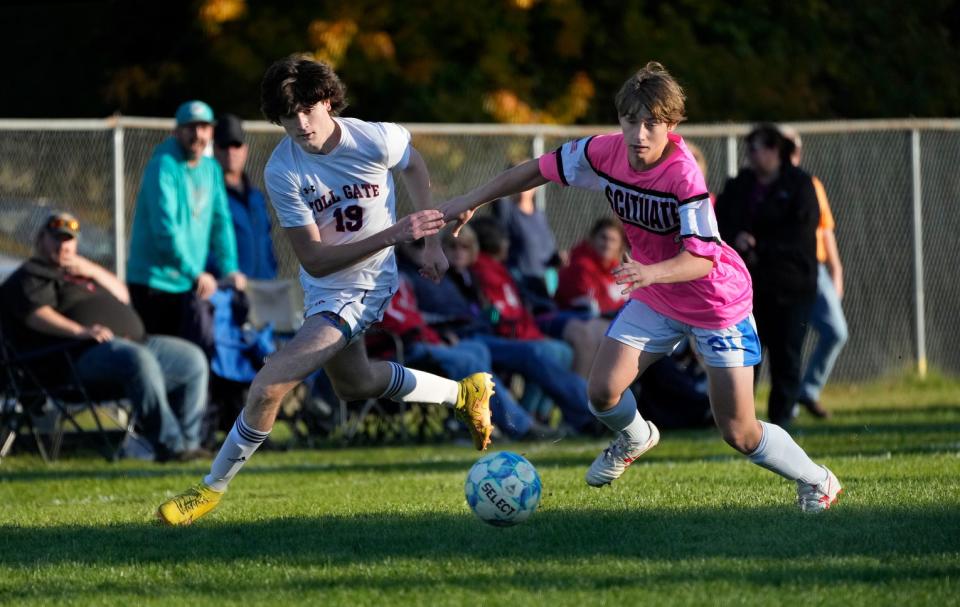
779 453
241 442
625 418
412 386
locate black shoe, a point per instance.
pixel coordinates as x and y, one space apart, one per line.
815 409
187 455
194 454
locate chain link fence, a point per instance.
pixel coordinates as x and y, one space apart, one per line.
893 188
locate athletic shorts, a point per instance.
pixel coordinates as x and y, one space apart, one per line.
350 310
640 327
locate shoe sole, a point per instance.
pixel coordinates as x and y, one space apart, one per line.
653 442
833 502
166 523
189 521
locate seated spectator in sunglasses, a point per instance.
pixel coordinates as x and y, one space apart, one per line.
59 297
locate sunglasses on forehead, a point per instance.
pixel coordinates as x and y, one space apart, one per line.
58 223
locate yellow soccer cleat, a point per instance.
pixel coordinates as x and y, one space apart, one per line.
190 505
473 407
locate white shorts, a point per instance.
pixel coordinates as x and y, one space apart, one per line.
640 327
356 309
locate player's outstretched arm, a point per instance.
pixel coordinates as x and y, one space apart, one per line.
518 179
320 259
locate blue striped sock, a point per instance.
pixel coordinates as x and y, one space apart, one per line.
401 382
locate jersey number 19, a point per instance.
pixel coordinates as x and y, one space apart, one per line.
349 219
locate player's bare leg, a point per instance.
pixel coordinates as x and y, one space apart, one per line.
313 345
731 398
614 369
767 445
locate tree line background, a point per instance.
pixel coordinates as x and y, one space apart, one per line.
549 61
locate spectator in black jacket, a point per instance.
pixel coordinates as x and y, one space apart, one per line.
769 213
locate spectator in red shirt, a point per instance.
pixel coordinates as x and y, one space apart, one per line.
544 363
496 284
588 282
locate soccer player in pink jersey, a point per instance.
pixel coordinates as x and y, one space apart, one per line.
683 280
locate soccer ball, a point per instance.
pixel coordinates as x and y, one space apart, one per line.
503 488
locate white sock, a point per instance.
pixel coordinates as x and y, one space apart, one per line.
412 386
625 418
779 453
241 442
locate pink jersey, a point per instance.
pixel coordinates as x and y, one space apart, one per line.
664 211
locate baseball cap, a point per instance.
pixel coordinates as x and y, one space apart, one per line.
228 131
194 111
61 223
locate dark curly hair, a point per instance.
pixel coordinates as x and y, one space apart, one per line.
297 83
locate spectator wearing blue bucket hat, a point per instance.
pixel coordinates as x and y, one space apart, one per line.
181 214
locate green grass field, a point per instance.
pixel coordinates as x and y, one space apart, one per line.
691 524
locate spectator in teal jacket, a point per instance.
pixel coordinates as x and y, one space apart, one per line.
181 214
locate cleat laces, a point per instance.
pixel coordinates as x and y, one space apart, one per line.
188 501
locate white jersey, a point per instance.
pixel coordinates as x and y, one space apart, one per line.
348 193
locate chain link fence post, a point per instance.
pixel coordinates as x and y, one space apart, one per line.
119 203
918 290
733 159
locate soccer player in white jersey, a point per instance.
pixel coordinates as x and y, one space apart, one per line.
330 181
682 279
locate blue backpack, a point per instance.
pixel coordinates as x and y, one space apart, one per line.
239 350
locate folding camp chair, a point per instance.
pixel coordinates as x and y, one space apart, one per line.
49 408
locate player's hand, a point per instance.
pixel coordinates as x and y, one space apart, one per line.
433 263
453 210
418 225
206 285
632 274
462 220
98 333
